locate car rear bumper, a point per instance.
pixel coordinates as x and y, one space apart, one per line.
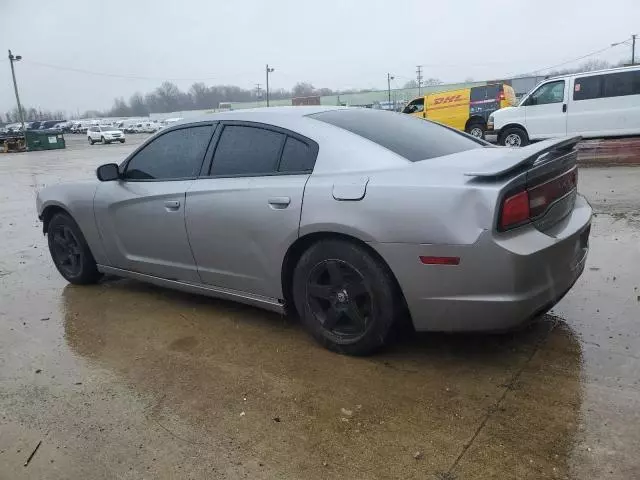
501 281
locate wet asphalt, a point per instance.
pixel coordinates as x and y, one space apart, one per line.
130 381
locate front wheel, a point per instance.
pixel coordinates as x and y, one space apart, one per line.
69 250
514 137
91 142
122 141
346 298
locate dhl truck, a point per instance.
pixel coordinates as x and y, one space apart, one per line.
466 109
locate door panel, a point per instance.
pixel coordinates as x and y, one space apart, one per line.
240 229
547 119
143 229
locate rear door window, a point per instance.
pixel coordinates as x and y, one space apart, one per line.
410 137
244 150
297 156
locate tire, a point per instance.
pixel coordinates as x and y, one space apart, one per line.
514 137
340 283
122 141
476 129
104 142
91 142
69 251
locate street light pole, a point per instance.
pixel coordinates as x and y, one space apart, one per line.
268 70
12 59
633 49
389 78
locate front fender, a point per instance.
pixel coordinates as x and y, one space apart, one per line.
77 200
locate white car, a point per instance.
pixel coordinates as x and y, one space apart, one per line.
104 134
598 104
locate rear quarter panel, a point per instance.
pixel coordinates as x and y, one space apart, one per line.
408 205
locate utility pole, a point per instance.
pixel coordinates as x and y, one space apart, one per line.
268 70
633 49
389 78
12 59
419 75
258 93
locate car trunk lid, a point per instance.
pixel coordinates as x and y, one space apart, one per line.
540 183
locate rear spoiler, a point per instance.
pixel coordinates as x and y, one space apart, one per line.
515 158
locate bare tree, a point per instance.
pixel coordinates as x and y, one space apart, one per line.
411 84
303 89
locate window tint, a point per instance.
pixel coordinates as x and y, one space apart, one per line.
587 88
623 83
413 138
296 157
552 92
246 151
176 154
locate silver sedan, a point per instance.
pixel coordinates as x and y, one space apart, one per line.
350 218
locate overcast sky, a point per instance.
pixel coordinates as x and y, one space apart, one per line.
330 43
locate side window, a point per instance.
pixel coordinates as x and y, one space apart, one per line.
623 83
245 150
414 106
176 154
552 92
587 88
296 157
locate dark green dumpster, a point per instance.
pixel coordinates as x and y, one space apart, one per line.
44 140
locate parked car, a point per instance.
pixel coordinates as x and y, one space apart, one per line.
105 134
466 109
604 103
349 217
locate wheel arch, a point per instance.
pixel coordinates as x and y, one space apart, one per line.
303 243
512 125
48 212
475 119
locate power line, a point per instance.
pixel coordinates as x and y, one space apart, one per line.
117 75
572 60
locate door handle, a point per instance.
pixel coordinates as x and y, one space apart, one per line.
172 204
564 107
279 202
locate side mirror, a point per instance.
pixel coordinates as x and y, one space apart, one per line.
108 172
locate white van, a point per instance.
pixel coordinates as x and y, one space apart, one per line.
605 103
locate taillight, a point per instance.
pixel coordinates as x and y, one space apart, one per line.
534 202
515 210
541 196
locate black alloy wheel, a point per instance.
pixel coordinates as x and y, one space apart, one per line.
339 298
66 251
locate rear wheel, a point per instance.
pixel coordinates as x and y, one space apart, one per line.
476 129
69 250
346 298
514 137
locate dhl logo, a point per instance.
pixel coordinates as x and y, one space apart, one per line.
449 99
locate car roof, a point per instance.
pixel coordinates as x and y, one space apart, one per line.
265 114
595 72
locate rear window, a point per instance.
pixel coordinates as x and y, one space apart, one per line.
413 138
